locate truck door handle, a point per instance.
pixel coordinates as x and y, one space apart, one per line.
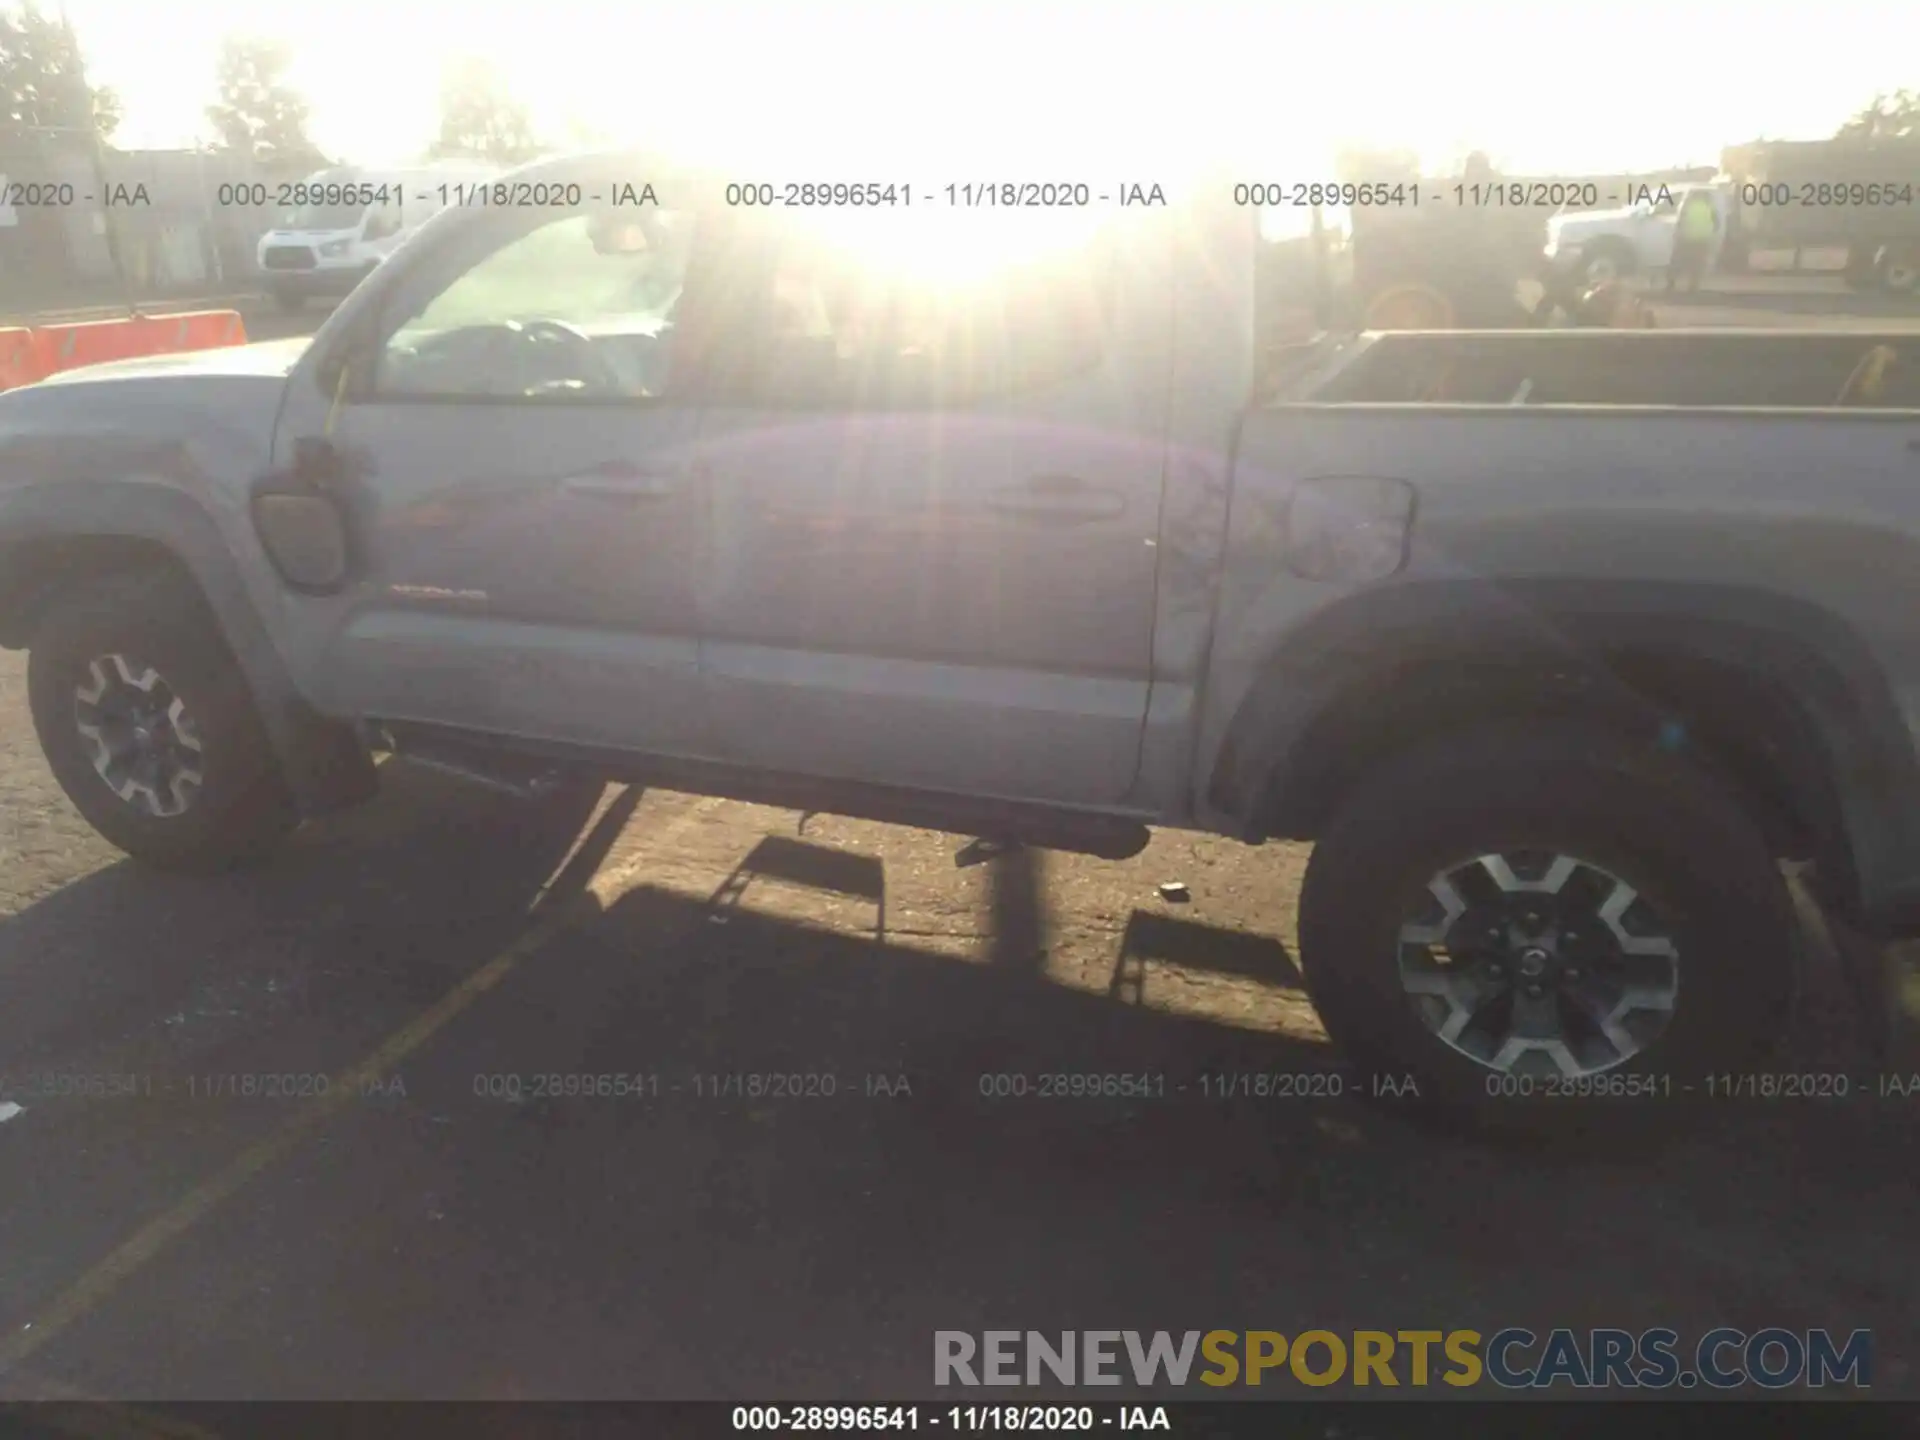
619 481
1059 497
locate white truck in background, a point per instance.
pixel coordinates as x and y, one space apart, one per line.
1635 239
1810 197
343 221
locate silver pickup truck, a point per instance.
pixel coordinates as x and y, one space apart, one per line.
1555 644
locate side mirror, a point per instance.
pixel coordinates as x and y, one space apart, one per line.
304 537
300 522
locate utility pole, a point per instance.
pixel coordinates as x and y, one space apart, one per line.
97 154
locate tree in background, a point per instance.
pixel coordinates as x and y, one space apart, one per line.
43 88
480 120
51 120
1889 117
260 115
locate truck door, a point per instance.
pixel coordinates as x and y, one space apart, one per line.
936 502
522 484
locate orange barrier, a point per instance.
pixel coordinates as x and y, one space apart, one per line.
94 342
193 330
19 365
87 342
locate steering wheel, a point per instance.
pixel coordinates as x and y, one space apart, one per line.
602 377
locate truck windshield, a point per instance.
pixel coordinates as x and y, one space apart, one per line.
556 273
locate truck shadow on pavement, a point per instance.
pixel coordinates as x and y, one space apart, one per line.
856 1143
829 1144
395 898
816 867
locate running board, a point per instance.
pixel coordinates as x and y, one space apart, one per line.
507 774
998 822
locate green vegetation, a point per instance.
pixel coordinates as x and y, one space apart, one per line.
259 115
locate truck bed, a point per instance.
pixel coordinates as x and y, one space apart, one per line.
1719 369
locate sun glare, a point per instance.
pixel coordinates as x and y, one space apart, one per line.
949 192
951 245
836 90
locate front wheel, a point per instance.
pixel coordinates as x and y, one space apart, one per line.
149 725
1534 923
1605 262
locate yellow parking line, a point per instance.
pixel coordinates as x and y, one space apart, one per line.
107 1275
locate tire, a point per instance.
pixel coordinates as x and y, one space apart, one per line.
1607 260
1897 268
1642 816
158 626
1862 272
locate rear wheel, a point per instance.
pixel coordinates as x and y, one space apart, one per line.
1897 266
1606 261
1541 926
149 726
1862 268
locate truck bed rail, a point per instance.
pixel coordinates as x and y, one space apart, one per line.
1696 369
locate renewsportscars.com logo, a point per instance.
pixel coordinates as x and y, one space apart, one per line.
1513 1359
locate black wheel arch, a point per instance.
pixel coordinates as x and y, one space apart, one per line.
56 538
1778 698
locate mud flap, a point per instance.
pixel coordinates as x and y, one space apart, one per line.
1880 979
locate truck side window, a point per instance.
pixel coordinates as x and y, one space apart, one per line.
582 306
832 331
1304 265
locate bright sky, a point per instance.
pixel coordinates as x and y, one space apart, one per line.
1096 90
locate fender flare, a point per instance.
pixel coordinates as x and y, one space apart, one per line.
1812 658
324 763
